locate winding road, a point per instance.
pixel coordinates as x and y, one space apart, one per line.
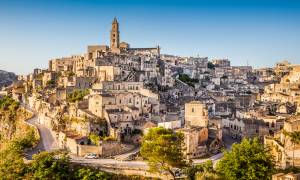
47 140
48 143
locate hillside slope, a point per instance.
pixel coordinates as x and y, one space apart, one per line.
6 78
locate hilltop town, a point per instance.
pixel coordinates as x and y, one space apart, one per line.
104 101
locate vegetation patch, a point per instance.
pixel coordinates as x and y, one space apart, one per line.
77 95
163 149
187 80
12 126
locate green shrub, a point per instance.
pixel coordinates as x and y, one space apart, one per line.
8 103
186 79
77 95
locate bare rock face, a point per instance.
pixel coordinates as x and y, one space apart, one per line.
6 78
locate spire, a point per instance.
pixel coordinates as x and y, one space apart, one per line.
115 34
115 20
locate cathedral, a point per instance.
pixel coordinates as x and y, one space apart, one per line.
117 47
97 56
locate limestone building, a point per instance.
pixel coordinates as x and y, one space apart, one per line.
194 142
285 152
196 114
87 64
115 37
115 34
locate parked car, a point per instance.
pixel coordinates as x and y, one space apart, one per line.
91 156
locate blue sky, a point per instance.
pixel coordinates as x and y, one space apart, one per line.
260 32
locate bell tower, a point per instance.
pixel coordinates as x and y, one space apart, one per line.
114 35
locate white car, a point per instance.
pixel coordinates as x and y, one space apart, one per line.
91 156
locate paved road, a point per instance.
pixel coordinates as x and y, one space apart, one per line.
127 155
47 137
111 163
141 165
228 140
47 142
213 158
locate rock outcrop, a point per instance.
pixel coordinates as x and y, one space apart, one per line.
6 78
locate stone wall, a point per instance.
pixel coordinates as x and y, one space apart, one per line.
112 148
86 149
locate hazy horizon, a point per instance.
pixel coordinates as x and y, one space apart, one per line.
258 32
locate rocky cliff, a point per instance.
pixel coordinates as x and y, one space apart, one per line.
6 78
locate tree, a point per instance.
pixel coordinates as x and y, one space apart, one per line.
8 103
210 65
186 79
88 174
295 139
162 148
48 166
95 139
201 171
77 95
50 83
247 160
54 165
12 165
207 176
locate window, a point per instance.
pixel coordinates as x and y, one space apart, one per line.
120 101
193 110
267 124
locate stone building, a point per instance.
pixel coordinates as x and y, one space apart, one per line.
106 62
115 35
48 76
194 141
287 90
221 62
240 128
285 152
196 114
97 103
288 176
107 73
